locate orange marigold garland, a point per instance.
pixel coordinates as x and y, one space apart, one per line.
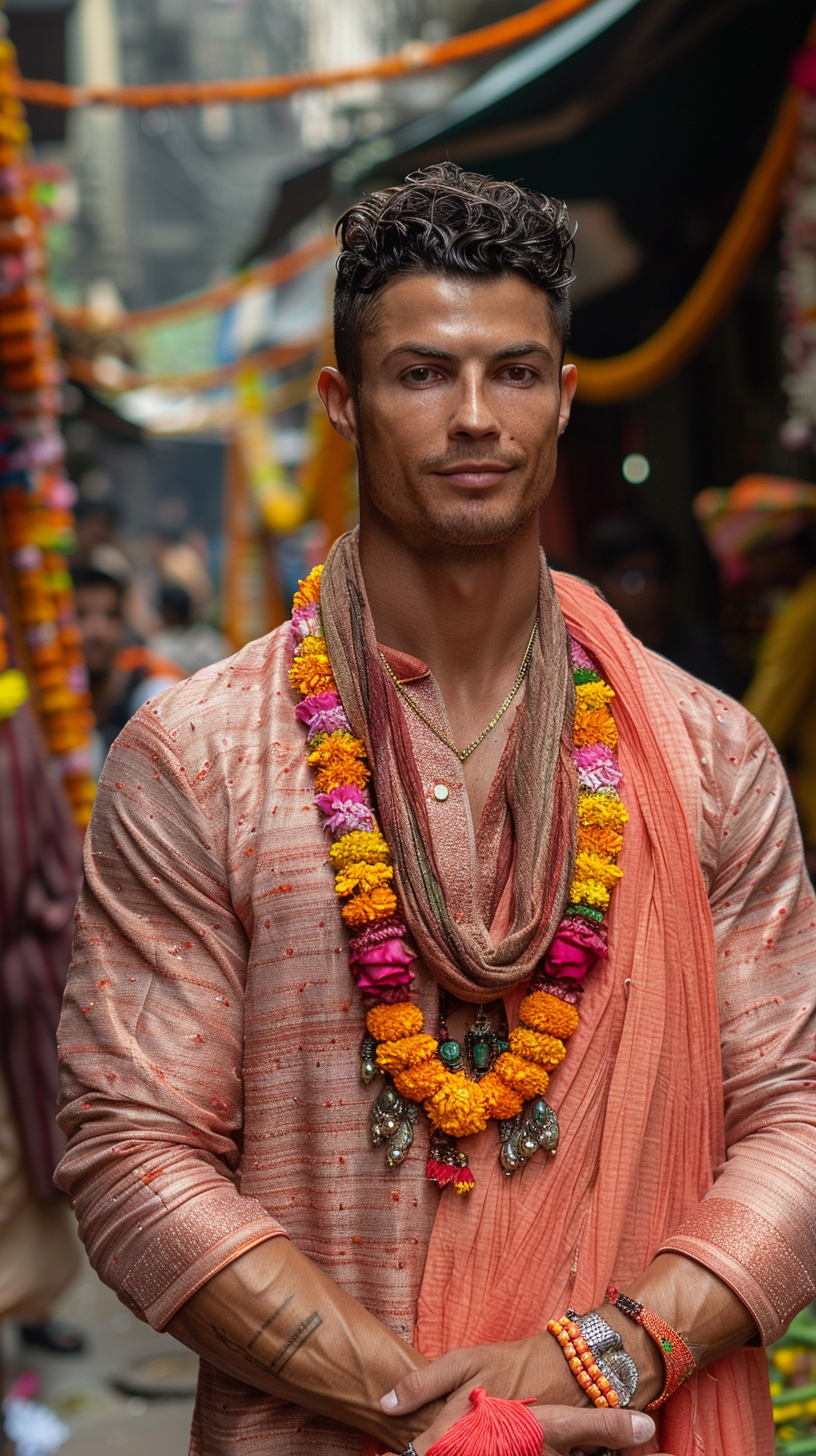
421 1070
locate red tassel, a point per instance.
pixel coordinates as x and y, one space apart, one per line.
464 1180
493 1427
441 1173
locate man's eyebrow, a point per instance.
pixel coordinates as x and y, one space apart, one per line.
512 351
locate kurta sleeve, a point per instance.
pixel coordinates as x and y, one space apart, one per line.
756 1228
151 1037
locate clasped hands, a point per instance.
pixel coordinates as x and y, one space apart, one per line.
516 1371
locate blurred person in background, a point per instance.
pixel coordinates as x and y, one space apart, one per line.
123 675
761 532
96 547
634 562
40 870
190 645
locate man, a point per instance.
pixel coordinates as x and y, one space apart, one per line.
219 1152
122 676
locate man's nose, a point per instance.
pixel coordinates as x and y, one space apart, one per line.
473 414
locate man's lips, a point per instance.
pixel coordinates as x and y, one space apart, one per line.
476 476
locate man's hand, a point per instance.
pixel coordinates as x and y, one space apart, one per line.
515 1370
567 1431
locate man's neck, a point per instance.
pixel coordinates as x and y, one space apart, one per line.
466 612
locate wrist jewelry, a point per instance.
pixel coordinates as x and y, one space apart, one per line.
409 1450
611 1358
677 1356
582 1362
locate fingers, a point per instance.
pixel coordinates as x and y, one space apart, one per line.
432 1382
567 1427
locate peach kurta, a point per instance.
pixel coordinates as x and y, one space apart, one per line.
211 1091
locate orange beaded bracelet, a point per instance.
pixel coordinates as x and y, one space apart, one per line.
582 1363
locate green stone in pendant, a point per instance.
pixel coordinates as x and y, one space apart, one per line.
450 1054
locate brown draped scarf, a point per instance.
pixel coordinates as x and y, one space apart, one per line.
449 931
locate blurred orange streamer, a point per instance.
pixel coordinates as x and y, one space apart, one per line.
650 364
329 477
416 56
219 295
110 373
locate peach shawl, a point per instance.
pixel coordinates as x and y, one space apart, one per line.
643 1075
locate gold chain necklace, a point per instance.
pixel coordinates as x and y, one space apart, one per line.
463 753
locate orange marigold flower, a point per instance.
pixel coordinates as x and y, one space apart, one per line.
543 1012
597 839
410 1051
309 589
370 905
595 725
359 844
524 1077
502 1102
339 759
390 1023
537 1046
312 675
362 876
458 1107
417 1083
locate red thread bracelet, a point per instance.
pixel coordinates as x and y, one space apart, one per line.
677 1356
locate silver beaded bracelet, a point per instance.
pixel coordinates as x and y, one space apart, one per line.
608 1353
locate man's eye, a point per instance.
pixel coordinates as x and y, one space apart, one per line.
518 373
422 374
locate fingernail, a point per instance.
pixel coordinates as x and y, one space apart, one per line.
642 1428
390 1402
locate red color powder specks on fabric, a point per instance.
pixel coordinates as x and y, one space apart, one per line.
493 1427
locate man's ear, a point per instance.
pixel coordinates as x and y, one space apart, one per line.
340 404
569 380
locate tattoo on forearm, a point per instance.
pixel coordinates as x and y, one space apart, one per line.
278 1363
270 1320
296 1341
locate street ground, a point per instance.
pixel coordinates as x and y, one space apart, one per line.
81 1389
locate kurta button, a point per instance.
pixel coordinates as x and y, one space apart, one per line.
440 793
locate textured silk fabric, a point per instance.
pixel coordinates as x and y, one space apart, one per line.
210 1030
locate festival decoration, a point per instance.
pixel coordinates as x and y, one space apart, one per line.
35 496
413 57
797 280
13 684
505 1071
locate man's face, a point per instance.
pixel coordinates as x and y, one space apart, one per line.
461 403
100 622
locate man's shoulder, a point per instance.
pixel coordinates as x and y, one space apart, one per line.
237 695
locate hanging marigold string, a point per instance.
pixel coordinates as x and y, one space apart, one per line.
36 523
423 1071
416 56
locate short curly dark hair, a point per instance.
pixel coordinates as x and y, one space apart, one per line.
443 219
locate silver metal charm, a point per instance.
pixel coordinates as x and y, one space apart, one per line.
368 1058
610 1356
520 1137
392 1123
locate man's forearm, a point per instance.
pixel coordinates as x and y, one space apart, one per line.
710 1317
275 1320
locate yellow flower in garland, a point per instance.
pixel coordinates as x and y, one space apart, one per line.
13 692
417 1083
593 867
591 695
308 589
547 1013
594 726
458 1107
524 1077
362 876
368 906
537 1046
339 759
589 892
598 839
360 844
409 1051
602 808
390 1023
